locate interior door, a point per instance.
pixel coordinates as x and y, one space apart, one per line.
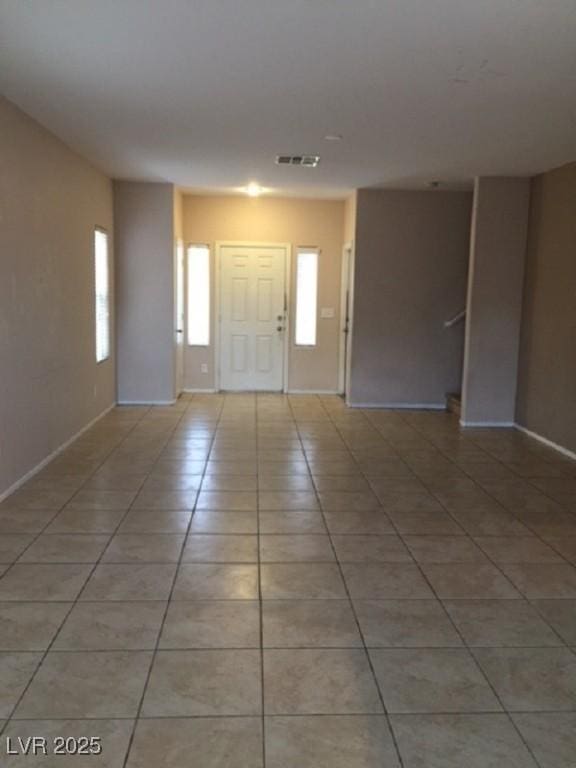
252 317
179 316
346 317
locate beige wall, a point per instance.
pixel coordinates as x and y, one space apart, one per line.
276 220
547 370
494 307
144 215
178 214
350 207
50 384
411 256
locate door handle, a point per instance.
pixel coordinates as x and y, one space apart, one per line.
279 329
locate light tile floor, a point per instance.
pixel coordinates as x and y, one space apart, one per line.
249 581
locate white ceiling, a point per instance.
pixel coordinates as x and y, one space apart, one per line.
204 93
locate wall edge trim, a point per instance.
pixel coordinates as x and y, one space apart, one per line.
487 424
401 406
38 467
194 390
146 402
312 392
546 441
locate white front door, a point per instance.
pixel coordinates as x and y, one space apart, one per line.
253 320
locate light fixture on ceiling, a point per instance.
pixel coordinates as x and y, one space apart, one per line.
253 189
333 137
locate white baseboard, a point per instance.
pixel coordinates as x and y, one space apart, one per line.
146 402
312 392
192 391
487 424
34 471
400 406
546 441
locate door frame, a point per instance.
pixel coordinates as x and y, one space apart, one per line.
220 244
179 322
345 344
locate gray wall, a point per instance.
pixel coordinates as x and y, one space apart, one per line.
547 371
50 384
144 216
410 276
495 285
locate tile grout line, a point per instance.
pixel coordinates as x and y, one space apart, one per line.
470 537
332 418
18 560
260 602
73 603
155 650
523 598
441 602
351 603
475 660
319 715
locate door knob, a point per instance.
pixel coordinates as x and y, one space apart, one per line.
279 328
279 317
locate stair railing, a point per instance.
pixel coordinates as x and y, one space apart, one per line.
456 319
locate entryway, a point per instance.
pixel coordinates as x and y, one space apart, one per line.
253 316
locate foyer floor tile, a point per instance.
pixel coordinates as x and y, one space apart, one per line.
86 685
331 741
114 736
454 741
436 680
204 683
207 742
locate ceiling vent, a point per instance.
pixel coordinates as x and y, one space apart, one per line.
308 161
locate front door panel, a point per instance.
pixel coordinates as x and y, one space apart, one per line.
252 285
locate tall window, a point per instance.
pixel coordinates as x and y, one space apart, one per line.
102 295
306 296
180 291
198 295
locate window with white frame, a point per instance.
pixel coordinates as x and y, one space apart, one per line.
180 291
306 297
102 294
198 295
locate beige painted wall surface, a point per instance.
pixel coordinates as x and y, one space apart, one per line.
179 341
275 220
350 209
494 307
144 215
411 258
547 370
50 384
178 216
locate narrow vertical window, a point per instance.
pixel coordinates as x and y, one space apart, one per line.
306 296
180 291
102 295
198 295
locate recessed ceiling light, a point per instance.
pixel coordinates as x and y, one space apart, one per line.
333 137
253 189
